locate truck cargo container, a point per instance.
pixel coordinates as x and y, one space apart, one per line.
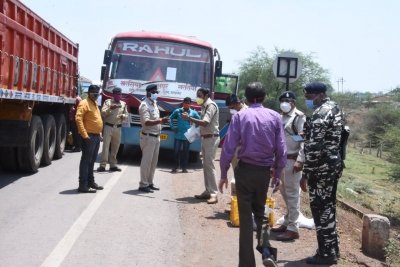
38 81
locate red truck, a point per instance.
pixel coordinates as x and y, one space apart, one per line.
38 81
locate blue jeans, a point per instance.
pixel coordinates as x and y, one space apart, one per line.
90 149
181 155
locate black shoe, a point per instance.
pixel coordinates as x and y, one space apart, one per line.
153 187
85 189
115 169
96 186
185 171
146 189
321 260
173 171
101 169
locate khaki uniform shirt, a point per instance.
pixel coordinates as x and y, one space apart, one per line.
294 147
210 114
148 110
114 116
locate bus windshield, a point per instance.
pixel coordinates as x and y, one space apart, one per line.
175 65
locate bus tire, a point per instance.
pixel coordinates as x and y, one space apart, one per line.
30 156
49 143
8 158
194 156
61 135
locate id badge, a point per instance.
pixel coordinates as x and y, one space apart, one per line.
297 138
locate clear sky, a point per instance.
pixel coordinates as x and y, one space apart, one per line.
357 40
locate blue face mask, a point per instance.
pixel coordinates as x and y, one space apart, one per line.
310 104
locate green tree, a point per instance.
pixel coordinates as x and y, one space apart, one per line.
258 67
392 139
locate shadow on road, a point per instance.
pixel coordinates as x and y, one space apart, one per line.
219 216
188 200
7 178
70 192
136 192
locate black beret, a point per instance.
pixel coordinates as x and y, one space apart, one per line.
94 88
315 88
116 90
287 94
151 87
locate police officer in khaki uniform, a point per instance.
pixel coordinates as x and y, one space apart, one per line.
209 131
293 121
114 112
149 138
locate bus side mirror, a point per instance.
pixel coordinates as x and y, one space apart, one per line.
218 68
107 57
103 73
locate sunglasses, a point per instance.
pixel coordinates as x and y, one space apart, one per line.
154 92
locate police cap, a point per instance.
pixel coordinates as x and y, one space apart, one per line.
315 88
93 88
151 87
117 90
287 94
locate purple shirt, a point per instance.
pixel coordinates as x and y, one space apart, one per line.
259 132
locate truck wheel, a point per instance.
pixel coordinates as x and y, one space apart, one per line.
194 156
8 158
61 135
29 157
49 144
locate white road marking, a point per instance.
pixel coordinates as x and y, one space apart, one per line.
63 247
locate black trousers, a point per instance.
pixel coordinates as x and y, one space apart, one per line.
251 189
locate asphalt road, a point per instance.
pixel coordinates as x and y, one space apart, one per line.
45 222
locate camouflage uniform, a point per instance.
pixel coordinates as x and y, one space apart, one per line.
322 169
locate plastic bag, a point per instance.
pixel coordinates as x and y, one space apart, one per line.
193 133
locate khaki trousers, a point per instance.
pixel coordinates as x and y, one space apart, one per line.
208 150
150 148
111 136
290 190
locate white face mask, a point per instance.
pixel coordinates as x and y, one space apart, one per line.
233 111
154 96
285 107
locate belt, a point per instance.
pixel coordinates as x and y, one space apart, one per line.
253 166
209 135
292 156
150 134
112 125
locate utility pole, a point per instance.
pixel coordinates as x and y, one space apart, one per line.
340 80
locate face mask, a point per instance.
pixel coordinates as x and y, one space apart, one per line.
154 96
117 98
233 111
285 107
310 104
94 96
199 101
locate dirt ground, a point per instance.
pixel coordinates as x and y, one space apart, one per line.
210 240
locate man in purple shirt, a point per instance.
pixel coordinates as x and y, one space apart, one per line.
259 132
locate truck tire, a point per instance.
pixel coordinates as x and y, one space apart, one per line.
61 135
194 156
29 157
49 143
8 158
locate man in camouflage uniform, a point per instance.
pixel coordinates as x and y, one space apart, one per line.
322 169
